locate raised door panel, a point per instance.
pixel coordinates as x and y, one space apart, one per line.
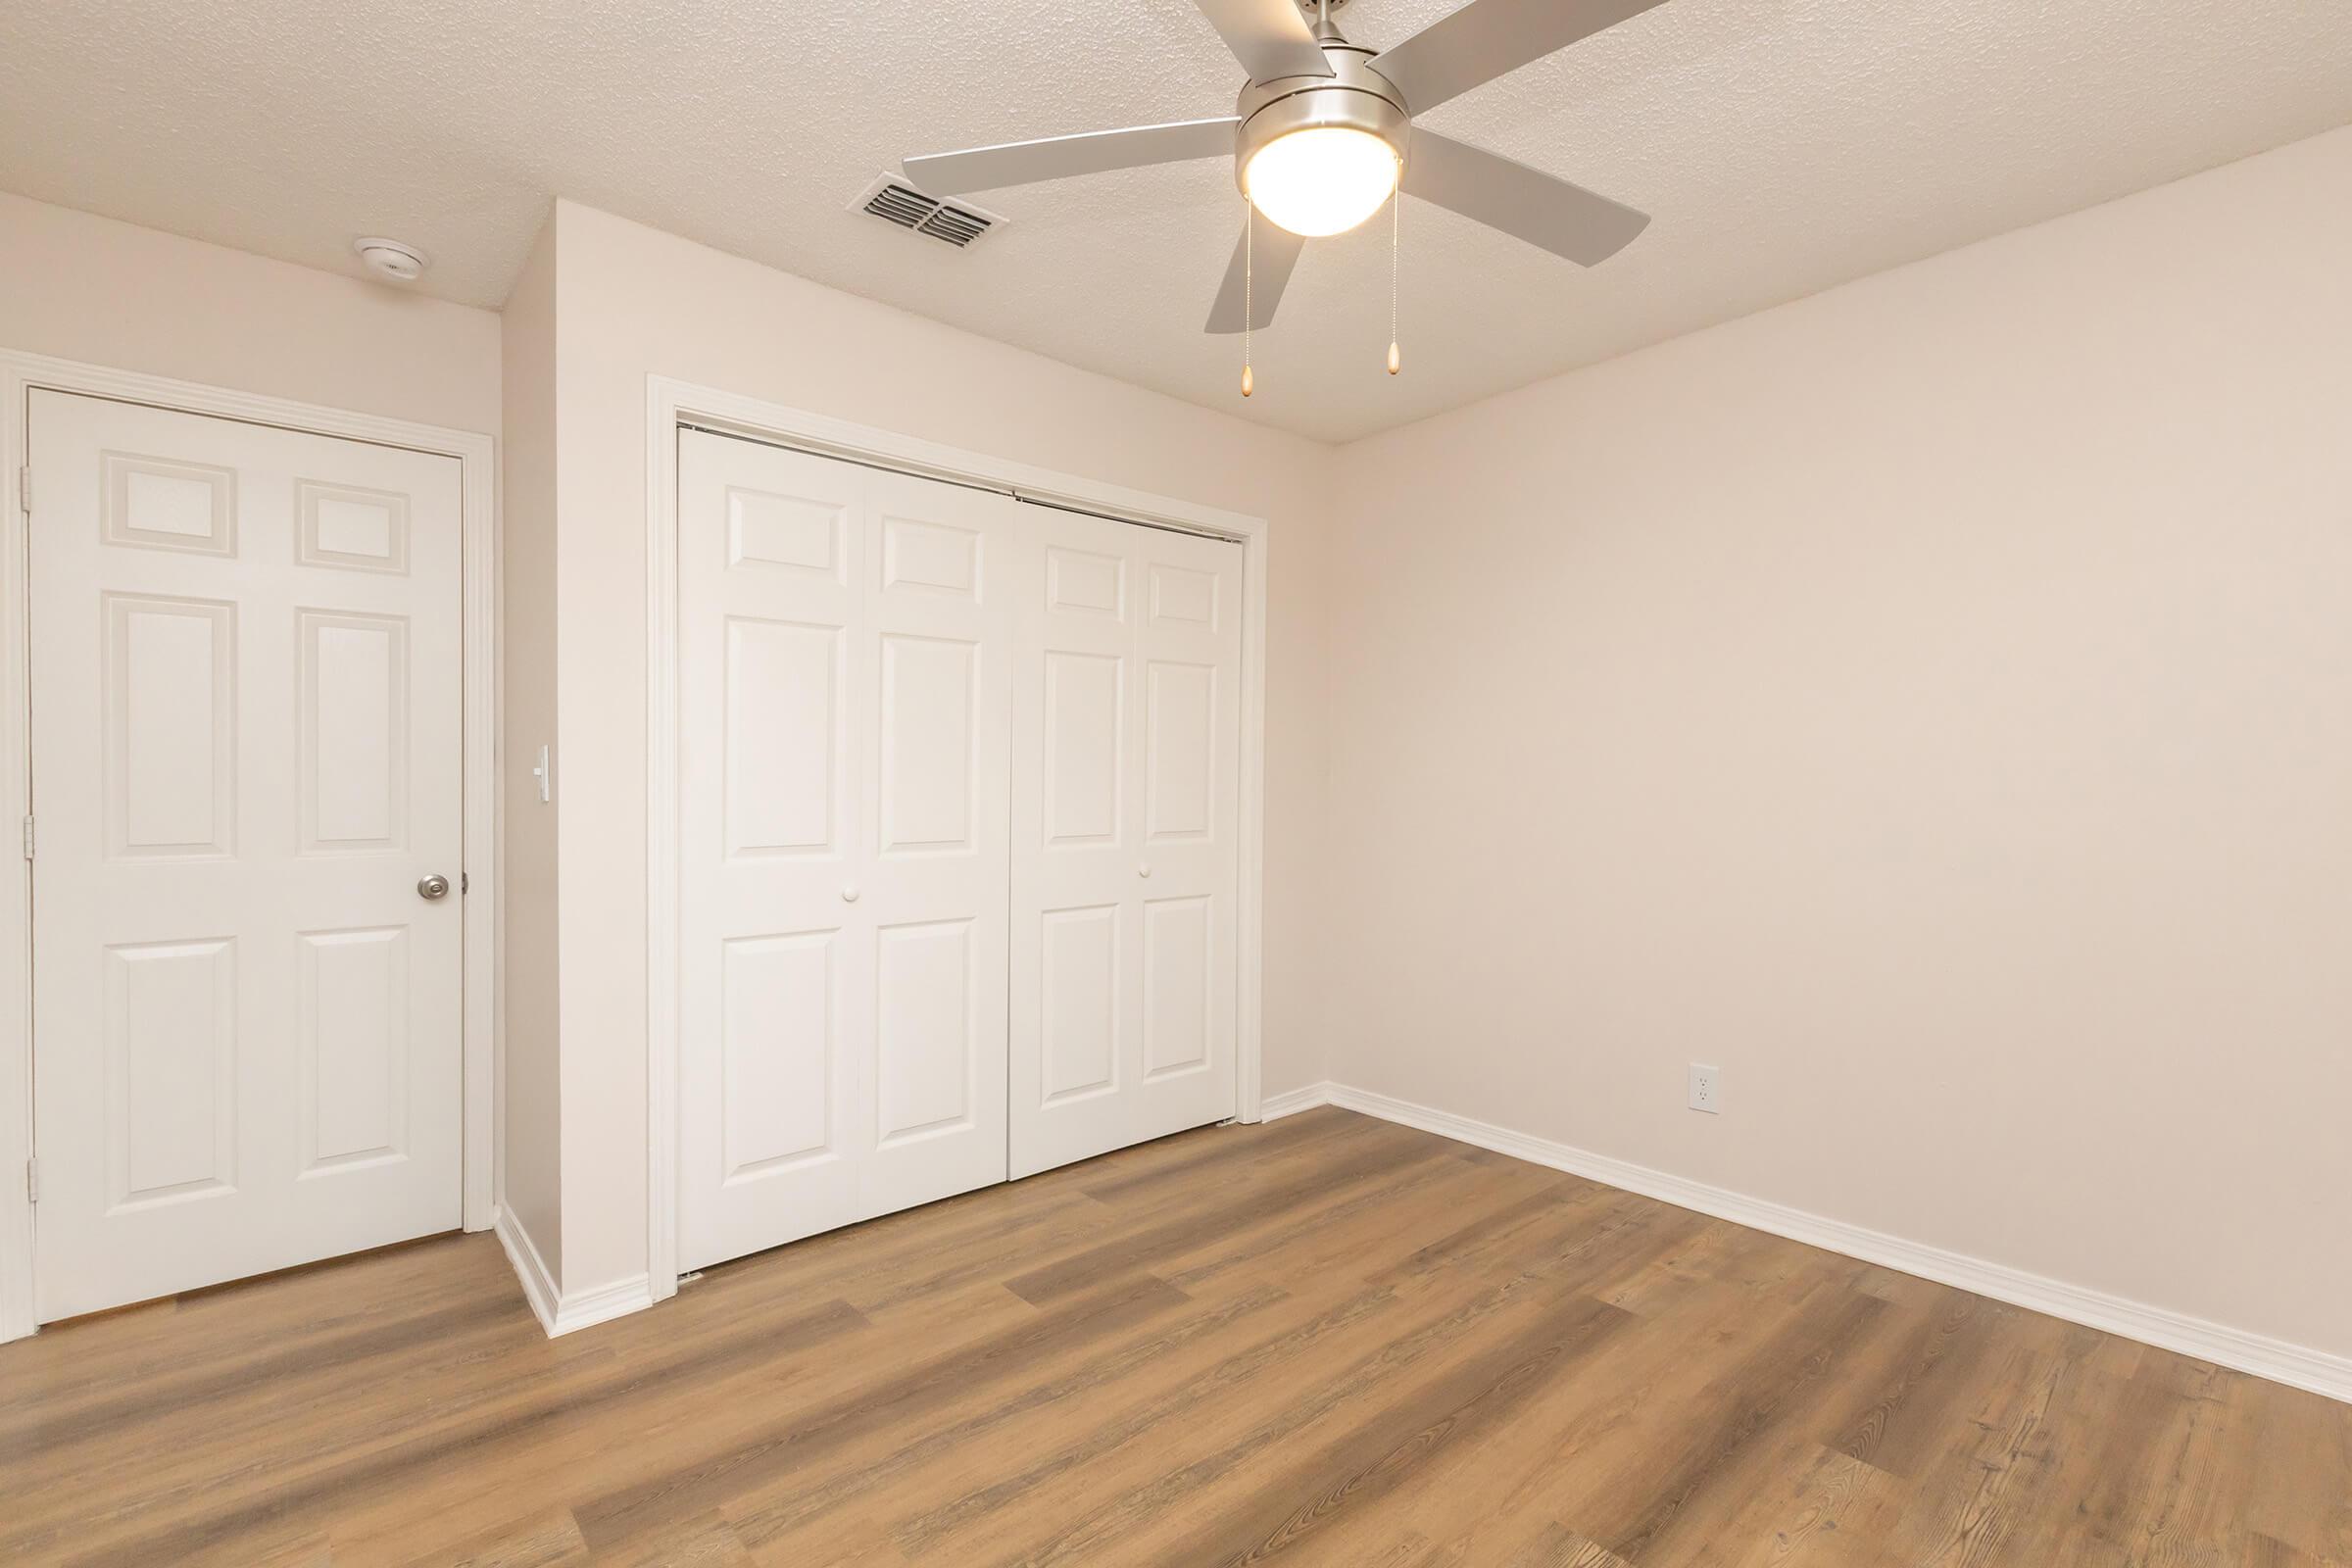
1085 738
170 726
352 529
1079 1012
785 737
1180 750
1085 583
1177 935
800 533
354 730
1183 597
168 503
778 1044
929 556
925 1043
171 1071
929 728
355 1026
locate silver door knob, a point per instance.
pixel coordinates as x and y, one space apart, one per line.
1145 870
849 895
433 886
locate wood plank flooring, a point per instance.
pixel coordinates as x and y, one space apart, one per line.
1329 1339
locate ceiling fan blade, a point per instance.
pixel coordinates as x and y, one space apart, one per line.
1269 37
1488 37
1277 253
1093 152
1539 208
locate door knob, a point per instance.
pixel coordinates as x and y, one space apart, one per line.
849 895
1143 869
433 886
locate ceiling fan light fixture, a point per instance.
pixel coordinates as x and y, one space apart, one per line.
1321 180
1321 135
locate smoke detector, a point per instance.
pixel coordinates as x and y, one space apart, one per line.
391 260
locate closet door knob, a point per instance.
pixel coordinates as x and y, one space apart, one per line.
1143 869
849 895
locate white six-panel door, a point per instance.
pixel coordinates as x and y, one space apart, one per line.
845 658
1125 859
246 742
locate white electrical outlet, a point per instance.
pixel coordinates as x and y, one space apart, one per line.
1706 1088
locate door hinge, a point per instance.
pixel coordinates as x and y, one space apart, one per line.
25 489
33 1181
29 838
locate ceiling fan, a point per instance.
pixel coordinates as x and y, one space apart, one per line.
1322 135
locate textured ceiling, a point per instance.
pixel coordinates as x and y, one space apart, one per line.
1782 146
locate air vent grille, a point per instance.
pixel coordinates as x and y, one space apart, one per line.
902 204
953 224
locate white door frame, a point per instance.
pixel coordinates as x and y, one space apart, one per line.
669 403
23 373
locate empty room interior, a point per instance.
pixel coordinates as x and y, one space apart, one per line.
1177 783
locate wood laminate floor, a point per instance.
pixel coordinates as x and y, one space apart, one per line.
1329 1339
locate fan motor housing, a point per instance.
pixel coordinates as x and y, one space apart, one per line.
1353 96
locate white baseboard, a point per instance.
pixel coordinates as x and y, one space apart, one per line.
605 1303
1291 1102
2282 1362
538 1286
558 1313
530 1268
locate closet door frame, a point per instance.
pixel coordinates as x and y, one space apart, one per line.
673 402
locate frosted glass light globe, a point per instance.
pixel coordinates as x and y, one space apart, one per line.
1322 180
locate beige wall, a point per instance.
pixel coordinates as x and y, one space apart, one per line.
107 293
530 1098
633 301
1932 702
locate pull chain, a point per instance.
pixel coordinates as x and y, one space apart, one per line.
1248 287
1395 204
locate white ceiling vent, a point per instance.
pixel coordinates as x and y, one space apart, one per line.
958 223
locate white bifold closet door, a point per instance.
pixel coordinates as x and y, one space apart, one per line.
844 662
1126 851
958 800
